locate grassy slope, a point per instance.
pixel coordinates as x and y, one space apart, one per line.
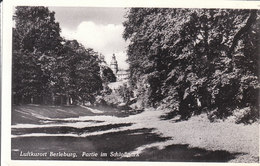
235 138
35 113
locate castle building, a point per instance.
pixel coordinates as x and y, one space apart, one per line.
119 73
114 65
122 75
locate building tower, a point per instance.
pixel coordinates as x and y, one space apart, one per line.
113 64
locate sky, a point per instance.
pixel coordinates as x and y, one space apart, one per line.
95 27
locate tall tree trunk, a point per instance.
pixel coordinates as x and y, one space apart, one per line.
61 100
67 99
71 101
43 100
31 100
251 19
52 98
22 100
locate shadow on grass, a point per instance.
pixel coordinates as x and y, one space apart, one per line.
122 141
118 112
182 153
60 121
67 130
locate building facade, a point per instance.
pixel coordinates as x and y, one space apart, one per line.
119 73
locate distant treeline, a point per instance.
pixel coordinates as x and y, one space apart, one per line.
48 69
195 60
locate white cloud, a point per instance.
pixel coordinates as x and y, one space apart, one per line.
106 39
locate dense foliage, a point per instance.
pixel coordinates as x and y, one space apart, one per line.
47 68
195 60
125 92
107 74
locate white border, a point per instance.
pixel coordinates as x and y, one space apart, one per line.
141 3
6 66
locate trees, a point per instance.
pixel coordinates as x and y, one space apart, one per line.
47 68
192 59
86 74
125 92
108 75
36 43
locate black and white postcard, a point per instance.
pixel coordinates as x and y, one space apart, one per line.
112 83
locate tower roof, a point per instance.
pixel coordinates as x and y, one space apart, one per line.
113 61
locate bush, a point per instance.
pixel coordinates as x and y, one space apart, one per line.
125 92
246 115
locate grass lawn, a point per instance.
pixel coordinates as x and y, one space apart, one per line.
77 129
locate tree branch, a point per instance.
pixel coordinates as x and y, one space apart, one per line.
251 19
